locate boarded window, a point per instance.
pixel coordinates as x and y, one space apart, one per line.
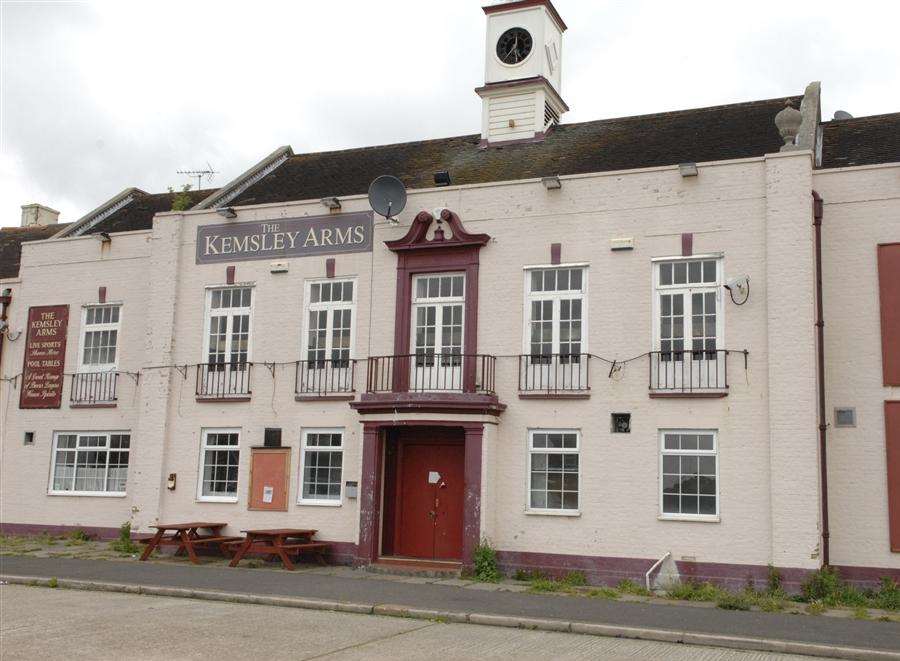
889 294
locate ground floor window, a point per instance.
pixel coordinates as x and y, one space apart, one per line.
321 464
689 470
219 458
553 469
90 463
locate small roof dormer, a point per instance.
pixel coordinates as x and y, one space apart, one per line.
521 98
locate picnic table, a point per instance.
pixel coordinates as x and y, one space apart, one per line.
281 542
187 537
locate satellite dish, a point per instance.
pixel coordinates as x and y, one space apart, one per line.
387 196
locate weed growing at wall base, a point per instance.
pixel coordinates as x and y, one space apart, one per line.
124 544
486 569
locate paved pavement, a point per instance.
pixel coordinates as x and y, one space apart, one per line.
349 586
69 624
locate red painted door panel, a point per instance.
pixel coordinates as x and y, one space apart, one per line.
430 511
892 441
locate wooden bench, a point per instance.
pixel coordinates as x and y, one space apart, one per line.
186 537
277 542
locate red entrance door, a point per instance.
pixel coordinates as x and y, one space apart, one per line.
430 500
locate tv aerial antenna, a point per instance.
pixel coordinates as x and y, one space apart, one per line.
208 173
387 196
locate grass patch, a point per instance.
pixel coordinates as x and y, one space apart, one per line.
627 586
815 607
733 602
52 583
574 579
545 585
603 593
691 591
888 595
861 613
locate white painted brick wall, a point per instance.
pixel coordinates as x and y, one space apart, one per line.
756 211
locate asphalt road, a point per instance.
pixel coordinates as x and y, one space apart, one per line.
42 623
832 631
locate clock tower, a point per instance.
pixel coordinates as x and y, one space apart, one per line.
521 96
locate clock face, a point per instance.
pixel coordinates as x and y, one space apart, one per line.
514 45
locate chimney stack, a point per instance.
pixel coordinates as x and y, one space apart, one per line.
37 214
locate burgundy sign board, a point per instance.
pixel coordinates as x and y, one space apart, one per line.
285 237
45 357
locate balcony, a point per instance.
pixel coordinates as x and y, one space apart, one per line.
430 382
324 379
554 376
93 389
219 382
702 373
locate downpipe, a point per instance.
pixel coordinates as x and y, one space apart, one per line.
818 212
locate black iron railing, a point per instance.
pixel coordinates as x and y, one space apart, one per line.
94 388
223 380
324 377
431 372
554 373
689 371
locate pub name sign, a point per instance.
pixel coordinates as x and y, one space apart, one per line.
45 357
285 237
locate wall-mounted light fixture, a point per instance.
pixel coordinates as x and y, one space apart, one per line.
688 169
442 178
551 183
103 237
226 212
331 202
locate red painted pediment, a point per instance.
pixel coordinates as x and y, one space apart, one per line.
417 236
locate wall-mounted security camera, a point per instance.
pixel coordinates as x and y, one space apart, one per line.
739 288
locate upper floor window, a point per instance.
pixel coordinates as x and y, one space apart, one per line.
688 307
90 463
438 323
228 312
556 314
329 323
100 338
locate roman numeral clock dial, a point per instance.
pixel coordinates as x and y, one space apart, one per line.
514 45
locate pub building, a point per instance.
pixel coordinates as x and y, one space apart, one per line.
595 345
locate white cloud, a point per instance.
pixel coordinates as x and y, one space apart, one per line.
96 97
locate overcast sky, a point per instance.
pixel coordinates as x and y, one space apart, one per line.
96 97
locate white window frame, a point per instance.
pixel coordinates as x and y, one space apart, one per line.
556 297
304 433
204 432
85 329
208 315
329 307
530 451
444 368
98 494
698 453
687 290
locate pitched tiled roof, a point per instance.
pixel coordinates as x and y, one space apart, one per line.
705 134
138 214
11 240
861 141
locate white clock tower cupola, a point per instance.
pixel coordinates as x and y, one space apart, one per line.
521 96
